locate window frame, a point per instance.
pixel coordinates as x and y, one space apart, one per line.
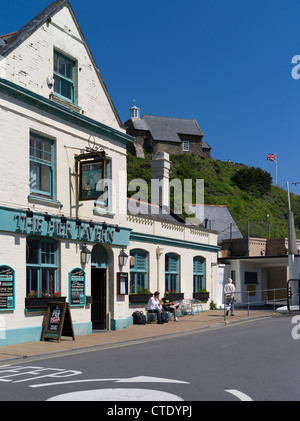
61 77
185 146
33 159
137 274
39 266
199 274
172 276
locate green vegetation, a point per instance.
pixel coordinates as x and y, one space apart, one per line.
222 186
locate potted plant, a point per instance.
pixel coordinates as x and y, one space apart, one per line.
175 296
202 295
33 301
142 296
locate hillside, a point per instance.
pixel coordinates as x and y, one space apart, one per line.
220 189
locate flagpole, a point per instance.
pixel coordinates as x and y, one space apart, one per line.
276 171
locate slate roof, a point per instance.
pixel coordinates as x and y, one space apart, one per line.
167 129
218 219
16 38
11 41
151 211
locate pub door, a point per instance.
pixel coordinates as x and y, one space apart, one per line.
98 290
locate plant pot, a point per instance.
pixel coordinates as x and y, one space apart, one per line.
176 296
203 296
41 302
139 298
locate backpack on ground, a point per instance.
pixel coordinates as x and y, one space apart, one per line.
138 318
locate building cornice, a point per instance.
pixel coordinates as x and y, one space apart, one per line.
37 101
175 242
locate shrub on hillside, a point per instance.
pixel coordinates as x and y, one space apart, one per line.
253 180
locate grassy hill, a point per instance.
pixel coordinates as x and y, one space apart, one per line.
220 189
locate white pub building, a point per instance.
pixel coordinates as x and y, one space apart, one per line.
65 231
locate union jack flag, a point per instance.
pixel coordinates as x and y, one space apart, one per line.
272 157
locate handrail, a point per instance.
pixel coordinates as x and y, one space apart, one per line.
248 303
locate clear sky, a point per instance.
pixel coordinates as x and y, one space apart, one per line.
226 64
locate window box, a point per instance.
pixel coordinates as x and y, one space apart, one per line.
203 296
139 298
176 296
42 302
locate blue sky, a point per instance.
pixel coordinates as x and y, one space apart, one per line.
226 64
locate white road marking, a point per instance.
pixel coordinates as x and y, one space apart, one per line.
139 379
242 396
117 395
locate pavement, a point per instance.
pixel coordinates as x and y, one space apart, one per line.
186 324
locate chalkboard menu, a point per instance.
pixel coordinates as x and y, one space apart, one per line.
58 321
77 287
7 287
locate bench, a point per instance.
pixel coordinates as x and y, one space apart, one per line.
152 315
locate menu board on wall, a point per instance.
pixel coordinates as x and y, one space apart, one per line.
7 280
77 287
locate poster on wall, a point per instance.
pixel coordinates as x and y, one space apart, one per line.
77 287
7 280
122 283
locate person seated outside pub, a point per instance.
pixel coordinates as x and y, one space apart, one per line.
170 306
153 306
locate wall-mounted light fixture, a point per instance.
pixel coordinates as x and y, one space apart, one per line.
122 258
104 226
85 254
92 224
78 222
118 228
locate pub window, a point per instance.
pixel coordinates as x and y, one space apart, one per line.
138 271
41 267
41 156
64 77
199 274
172 272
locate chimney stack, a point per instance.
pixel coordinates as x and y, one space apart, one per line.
160 183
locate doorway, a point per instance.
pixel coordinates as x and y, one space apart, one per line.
98 290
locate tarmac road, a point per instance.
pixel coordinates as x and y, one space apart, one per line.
252 360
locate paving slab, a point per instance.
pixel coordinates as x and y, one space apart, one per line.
188 323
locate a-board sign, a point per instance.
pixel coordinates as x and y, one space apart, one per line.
7 280
77 287
58 322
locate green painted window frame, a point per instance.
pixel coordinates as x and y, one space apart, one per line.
40 261
172 272
64 77
41 164
199 278
139 271
99 258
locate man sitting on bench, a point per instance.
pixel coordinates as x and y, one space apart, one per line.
153 306
170 306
